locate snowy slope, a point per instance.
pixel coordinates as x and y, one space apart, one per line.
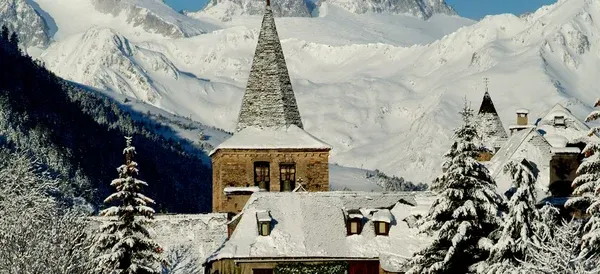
419 8
138 19
363 85
226 9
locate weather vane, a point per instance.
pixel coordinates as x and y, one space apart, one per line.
486 80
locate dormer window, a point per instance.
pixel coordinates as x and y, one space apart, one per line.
354 222
261 175
382 219
559 121
263 218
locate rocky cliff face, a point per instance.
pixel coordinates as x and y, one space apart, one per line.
20 16
420 8
224 9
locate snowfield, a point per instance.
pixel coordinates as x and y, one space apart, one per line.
384 90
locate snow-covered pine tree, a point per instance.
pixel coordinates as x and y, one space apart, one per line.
465 211
519 225
124 244
586 193
559 253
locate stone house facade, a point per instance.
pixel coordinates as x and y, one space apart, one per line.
240 168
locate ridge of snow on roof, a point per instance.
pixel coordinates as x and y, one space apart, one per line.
291 137
269 99
312 225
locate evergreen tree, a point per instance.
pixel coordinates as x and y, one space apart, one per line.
124 244
587 190
465 211
519 226
14 41
5 33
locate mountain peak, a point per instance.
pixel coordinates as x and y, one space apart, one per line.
19 16
420 8
224 9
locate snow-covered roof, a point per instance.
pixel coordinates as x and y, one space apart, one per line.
291 137
234 189
312 225
556 140
511 127
383 215
522 111
575 150
263 216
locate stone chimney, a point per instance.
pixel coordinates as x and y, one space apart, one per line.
522 119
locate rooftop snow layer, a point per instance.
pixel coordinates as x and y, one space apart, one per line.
235 189
311 224
291 137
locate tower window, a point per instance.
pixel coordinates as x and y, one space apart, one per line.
261 175
287 175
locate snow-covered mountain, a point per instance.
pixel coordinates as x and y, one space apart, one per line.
225 9
153 16
22 17
420 8
386 97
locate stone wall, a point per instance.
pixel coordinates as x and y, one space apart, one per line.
235 167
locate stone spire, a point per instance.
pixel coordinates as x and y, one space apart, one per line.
269 99
490 125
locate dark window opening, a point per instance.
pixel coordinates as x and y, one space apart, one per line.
354 222
287 173
559 120
262 271
261 175
382 228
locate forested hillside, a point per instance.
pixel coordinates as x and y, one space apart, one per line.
78 135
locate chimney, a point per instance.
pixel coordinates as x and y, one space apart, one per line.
522 117
268 2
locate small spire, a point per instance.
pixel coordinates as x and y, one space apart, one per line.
486 80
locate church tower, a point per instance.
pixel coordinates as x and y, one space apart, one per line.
490 126
270 151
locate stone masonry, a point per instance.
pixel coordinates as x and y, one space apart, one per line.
235 167
269 99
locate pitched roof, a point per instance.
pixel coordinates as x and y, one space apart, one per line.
269 98
487 106
311 225
489 123
291 137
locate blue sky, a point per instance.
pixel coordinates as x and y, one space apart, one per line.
475 9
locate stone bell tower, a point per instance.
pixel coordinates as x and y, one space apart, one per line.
270 151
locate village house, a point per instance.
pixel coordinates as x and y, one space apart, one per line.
551 146
361 232
270 150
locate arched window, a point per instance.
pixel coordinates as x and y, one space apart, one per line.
287 176
261 175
